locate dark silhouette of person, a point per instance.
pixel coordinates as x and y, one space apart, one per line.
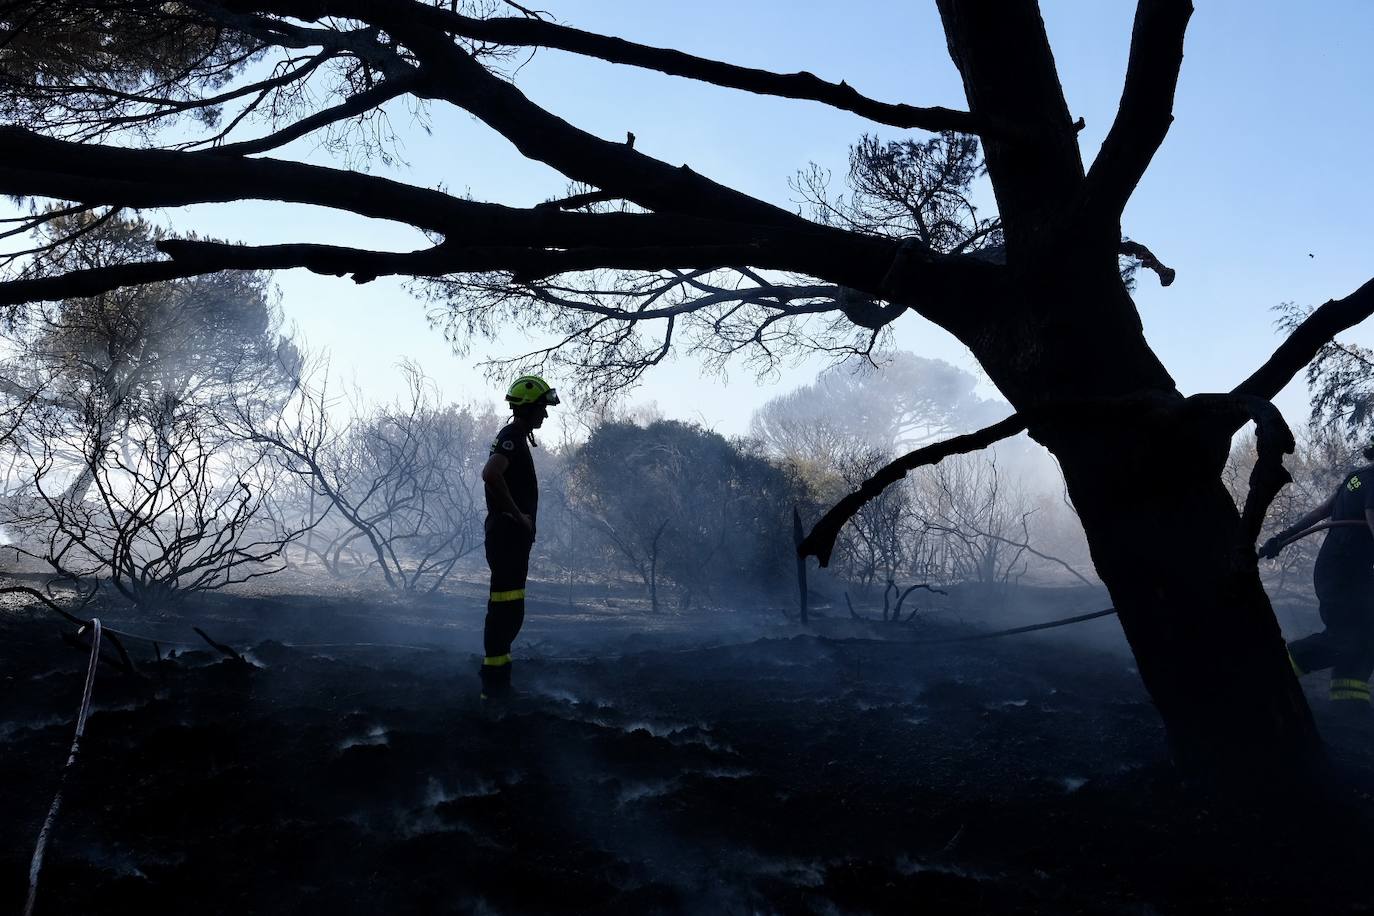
1344 582
512 494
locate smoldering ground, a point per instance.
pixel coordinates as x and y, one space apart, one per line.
720 761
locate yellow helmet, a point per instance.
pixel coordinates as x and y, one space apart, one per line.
531 389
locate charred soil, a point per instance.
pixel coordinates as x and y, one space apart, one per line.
717 769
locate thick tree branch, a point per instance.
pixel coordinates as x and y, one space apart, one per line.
1273 440
92 281
456 77
524 262
540 33
32 165
1307 339
655 250
821 541
531 243
1004 56
1145 113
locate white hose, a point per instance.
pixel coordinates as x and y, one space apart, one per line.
37 864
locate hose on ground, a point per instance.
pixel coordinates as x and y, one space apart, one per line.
36 864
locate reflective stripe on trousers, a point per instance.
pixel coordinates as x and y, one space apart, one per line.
1349 688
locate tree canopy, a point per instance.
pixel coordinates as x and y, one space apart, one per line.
136 104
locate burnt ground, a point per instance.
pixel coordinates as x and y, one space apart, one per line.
711 763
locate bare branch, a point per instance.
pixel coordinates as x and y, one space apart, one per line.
93 281
524 262
456 77
34 165
1306 341
530 32
351 107
821 541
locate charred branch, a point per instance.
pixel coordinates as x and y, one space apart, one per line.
352 107
93 281
1004 56
1314 332
526 264
527 32
1273 440
1022 545
34 165
124 663
821 541
1145 113
227 651
901 599
458 78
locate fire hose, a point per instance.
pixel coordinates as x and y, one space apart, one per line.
36 865
1319 527
1079 618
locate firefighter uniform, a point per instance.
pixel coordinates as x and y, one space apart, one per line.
508 545
1344 582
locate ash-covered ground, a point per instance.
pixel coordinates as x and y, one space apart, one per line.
712 762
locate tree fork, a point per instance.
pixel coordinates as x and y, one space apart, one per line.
1164 534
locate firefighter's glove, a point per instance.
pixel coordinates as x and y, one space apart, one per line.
1270 548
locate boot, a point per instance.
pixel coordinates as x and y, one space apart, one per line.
496 683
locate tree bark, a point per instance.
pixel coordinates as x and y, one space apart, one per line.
1165 536
1166 539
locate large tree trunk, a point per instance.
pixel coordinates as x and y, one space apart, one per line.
1166 539
1165 536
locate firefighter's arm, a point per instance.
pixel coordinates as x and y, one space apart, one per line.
1369 519
1311 518
1271 547
494 477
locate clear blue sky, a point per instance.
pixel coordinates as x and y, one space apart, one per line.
1267 163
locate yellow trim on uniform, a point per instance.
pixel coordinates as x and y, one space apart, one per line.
1349 688
496 661
1350 695
515 594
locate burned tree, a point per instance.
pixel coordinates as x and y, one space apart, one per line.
169 510
393 489
1045 312
979 519
110 361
